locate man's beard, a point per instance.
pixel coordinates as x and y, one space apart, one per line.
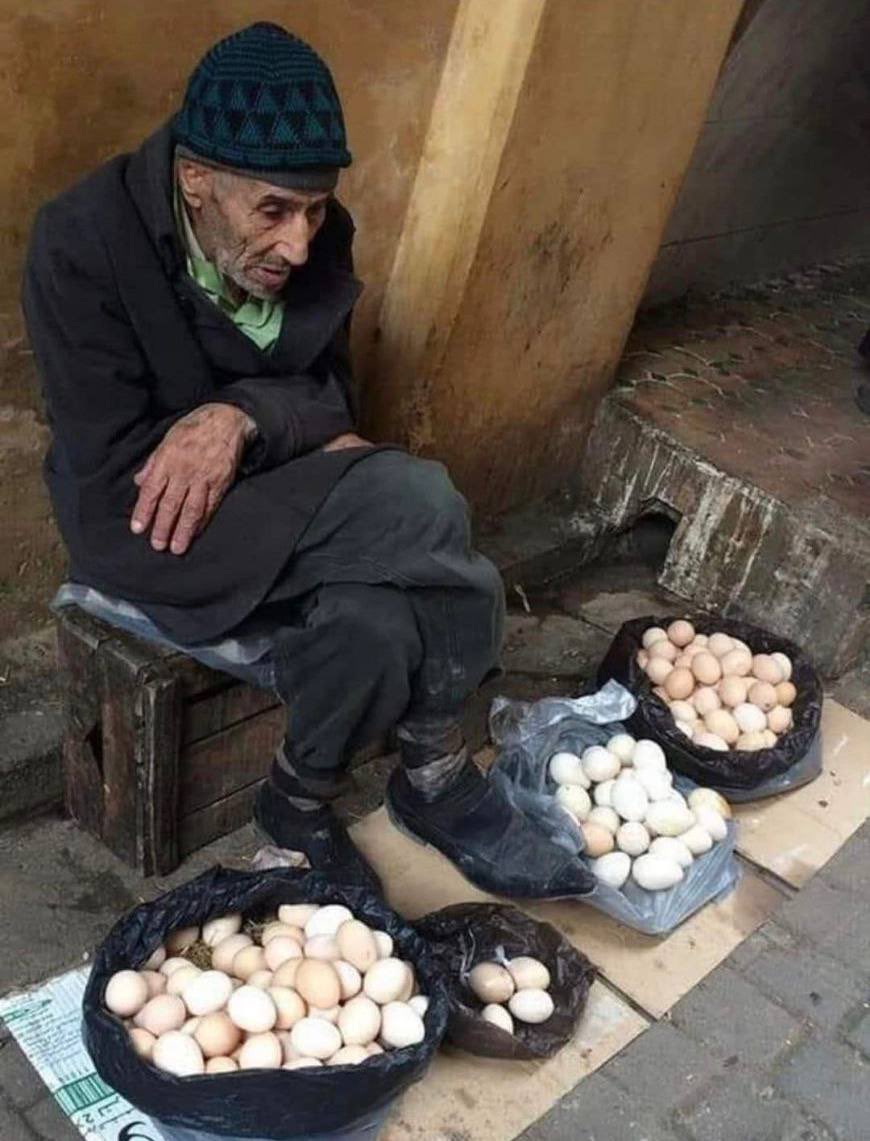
231 268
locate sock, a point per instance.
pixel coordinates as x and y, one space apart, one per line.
432 780
285 780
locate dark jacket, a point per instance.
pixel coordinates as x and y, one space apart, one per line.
126 343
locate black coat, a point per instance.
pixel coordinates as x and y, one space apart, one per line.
126 343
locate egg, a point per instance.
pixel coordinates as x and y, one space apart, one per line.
673 849
632 838
779 719
419 1003
656 783
221 1066
751 742
252 1010
596 839
786 694
732 691
600 764
285 975
706 668
629 799
649 753
178 1054
348 1056
179 980
297 914
170 966
491 982
601 793
528 972
349 979
708 797
657 670
567 768
498 1016
697 839
683 711
261 1052
705 700
769 738
710 741
126 993
574 800
711 822
384 943
223 954
762 694
359 1021
666 818
766 668
737 663
302 1064
315 1038
207 993
277 929
663 649
533 1005
261 979
605 816
785 665
401 1026
655 873
155 960
622 746
356 945
685 727
719 645
250 960
642 659
190 1026
723 724
289 1006
217 1034
180 939
142 1042
154 981
653 634
612 869
161 1014
322 947
679 684
318 982
330 1014
327 920
681 632
750 718
216 930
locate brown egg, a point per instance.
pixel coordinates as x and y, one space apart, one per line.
679 684
779 719
766 669
662 694
286 973
695 648
786 693
721 723
681 633
318 983
706 668
719 645
683 662
217 1035
249 960
736 663
732 690
705 699
598 840
664 649
762 694
658 669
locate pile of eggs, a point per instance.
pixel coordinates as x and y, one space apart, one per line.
720 694
518 988
634 822
314 987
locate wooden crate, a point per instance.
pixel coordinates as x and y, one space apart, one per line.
160 754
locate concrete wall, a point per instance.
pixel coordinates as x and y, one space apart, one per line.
83 79
781 174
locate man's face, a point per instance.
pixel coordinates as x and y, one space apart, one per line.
253 232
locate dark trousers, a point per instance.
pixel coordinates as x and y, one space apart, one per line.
384 615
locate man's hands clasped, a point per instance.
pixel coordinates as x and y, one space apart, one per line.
188 474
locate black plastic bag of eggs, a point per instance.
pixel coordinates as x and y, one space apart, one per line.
796 759
335 1102
465 934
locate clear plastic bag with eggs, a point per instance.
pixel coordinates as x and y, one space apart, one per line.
329 1103
531 736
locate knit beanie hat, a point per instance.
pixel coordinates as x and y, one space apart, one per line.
263 103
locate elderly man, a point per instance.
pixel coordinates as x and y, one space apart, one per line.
188 306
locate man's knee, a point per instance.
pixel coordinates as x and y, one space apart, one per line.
375 621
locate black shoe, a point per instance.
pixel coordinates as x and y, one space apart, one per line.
491 842
319 834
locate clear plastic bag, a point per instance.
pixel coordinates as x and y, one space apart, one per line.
528 735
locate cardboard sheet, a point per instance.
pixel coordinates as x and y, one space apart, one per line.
793 835
486 1099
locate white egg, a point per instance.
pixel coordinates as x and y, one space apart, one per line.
622 746
750 718
297 914
600 764
330 1015
649 753
302 1064
784 664
252 1010
142 1042
178 1054
532 1005
170 966
612 869
653 634
419 1003
248 961
629 799
223 954
657 784
279 949
126 993
359 1021
498 1016
677 798
567 768
277 929
221 1066
491 982
709 798
385 980
673 849
327 920
667 818
711 822
180 980
324 947
655 873
190 1027
632 838
154 981
161 1014
601 793
401 1026
604 816
217 930
710 741
697 839
207 993
289 1006
685 727
315 1038
384 943
574 800
528 972
348 1056
261 1052
683 711
350 979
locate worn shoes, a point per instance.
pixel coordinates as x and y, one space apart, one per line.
319 834
491 842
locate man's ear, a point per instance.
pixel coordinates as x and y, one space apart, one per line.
195 181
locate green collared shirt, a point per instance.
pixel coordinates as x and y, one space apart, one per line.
258 319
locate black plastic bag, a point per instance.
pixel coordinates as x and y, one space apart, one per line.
796 759
465 934
262 1104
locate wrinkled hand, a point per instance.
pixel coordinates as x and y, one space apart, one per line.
188 474
347 440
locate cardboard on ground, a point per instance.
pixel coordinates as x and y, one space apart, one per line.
793 835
